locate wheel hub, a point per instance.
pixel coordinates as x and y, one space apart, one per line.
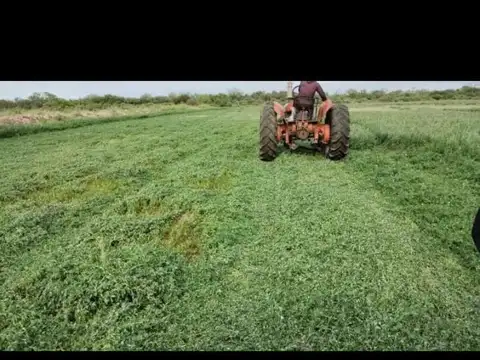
302 134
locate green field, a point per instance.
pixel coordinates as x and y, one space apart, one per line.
169 233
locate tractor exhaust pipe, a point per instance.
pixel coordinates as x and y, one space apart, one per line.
290 99
289 89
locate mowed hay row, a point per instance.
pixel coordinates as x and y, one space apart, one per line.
169 233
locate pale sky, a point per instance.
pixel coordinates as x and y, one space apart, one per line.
76 89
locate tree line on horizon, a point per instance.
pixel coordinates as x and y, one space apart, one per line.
232 98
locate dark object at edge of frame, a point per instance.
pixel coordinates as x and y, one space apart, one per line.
476 230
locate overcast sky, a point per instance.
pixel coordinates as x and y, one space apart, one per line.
76 89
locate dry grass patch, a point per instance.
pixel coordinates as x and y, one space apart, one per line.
183 235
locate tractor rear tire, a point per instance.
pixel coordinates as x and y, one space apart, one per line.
339 121
268 129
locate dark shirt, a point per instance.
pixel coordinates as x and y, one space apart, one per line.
309 88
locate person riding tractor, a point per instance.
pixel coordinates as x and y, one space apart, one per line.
325 126
305 98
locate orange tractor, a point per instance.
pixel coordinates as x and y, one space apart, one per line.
327 127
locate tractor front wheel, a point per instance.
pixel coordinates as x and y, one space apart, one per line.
268 129
339 121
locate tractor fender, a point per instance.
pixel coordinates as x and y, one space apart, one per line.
279 109
324 109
